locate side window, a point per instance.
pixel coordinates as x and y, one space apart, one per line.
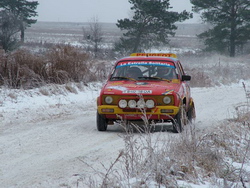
180 69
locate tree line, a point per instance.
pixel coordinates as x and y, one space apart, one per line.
151 25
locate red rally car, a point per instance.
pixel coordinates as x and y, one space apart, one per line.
146 84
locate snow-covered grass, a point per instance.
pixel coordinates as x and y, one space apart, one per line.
213 152
218 157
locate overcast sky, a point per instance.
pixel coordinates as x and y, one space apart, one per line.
85 10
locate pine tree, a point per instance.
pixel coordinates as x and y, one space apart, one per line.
150 26
23 10
230 20
8 30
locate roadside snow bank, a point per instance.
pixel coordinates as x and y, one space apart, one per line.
18 106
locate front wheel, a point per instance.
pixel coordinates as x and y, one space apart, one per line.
191 114
180 120
101 122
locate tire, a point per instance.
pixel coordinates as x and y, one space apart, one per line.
101 122
180 120
191 114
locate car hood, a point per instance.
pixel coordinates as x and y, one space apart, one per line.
140 87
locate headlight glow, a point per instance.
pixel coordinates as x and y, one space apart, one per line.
122 103
108 100
167 100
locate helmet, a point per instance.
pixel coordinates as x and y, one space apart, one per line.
163 70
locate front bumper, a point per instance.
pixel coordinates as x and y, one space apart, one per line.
158 113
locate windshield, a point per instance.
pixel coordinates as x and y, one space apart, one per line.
144 70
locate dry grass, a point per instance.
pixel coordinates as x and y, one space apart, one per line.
67 63
162 159
61 64
21 69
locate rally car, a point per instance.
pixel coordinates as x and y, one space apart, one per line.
148 85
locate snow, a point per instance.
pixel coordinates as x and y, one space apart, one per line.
217 103
51 140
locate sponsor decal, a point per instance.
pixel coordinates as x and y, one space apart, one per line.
155 54
130 85
116 83
120 88
138 91
141 83
176 81
168 92
145 63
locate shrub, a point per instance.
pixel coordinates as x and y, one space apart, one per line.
67 63
22 69
160 160
62 64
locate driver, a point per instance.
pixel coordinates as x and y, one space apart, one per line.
166 72
134 72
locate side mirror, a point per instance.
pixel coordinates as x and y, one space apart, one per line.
185 78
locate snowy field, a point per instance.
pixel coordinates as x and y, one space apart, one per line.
48 135
52 140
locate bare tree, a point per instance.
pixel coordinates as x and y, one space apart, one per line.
93 35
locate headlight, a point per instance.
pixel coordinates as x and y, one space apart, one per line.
150 104
132 104
141 103
108 100
122 103
167 100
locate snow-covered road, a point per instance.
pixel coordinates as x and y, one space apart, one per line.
47 141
